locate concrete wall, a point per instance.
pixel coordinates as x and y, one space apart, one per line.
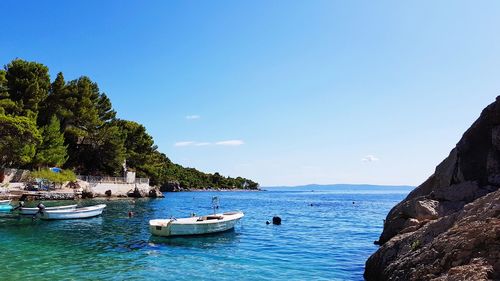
130 177
117 188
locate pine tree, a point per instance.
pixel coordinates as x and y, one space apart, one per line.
28 84
52 151
18 139
55 103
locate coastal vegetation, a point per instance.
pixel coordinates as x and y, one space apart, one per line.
54 178
72 124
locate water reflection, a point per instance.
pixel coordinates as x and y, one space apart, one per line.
197 241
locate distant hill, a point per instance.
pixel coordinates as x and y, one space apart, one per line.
353 187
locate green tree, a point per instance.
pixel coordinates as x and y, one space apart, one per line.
52 151
99 152
79 128
104 108
110 153
56 103
28 84
216 179
94 144
139 146
7 106
18 139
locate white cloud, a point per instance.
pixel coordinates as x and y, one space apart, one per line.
202 143
230 142
369 158
193 117
196 143
184 143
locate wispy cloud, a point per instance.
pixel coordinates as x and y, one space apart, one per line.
184 143
369 158
197 143
230 142
193 117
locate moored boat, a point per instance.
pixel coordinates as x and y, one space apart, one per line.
78 213
5 208
195 225
5 202
33 211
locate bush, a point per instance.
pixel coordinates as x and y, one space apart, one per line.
415 245
53 177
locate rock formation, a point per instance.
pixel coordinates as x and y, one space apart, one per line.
137 192
171 186
155 192
448 228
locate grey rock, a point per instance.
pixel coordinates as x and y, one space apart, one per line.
448 228
155 193
137 193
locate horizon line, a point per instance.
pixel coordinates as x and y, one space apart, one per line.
336 184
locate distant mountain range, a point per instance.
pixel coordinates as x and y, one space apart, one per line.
338 187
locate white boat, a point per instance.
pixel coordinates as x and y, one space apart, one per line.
5 202
33 211
79 213
195 225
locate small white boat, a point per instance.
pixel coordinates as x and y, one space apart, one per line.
195 225
79 213
33 211
5 202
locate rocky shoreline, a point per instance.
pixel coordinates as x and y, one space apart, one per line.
59 195
448 228
73 194
45 195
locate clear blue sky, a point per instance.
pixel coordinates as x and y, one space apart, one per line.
283 92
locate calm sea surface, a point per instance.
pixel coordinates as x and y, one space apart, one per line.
329 240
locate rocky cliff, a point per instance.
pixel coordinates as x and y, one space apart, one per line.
448 228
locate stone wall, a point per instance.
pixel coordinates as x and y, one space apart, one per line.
13 175
100 189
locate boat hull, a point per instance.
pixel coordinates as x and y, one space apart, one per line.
5 202
191 226
5 208
33 211
80 213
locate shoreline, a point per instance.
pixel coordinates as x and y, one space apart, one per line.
61 195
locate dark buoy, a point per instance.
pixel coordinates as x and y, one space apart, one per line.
130 214
267 222
276 220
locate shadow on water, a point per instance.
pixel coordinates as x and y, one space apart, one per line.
75 223
203 241
15 224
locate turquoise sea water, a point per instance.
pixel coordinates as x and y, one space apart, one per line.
329 240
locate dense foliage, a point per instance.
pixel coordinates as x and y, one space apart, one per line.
73 125
52 177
